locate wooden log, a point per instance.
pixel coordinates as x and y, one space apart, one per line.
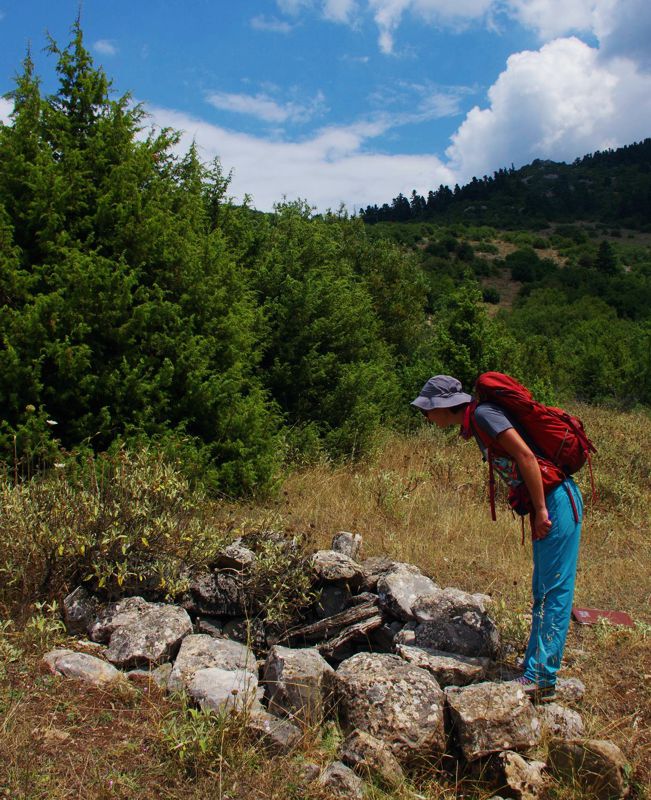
325 628
329 649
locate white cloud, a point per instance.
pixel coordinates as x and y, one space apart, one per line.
339 10
327 169
293 7
265 108
6 107
262 23
559 102
105 47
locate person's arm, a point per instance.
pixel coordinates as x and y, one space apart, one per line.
511 441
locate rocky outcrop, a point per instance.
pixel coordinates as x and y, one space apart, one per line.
395 702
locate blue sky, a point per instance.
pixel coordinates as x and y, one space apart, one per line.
354 101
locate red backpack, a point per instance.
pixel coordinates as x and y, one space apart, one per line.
557 438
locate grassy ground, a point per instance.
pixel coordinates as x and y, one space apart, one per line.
420 499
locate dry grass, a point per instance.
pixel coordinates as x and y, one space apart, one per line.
420 499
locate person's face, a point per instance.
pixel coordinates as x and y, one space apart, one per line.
441 417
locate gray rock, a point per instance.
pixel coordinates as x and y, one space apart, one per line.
395 702
371 758
561 722
276 736
597 766
350 544
333 599
309 772
330 566
82 666
220 594
491 717
448 669
141 633
296 683
341 781
236 556
79 610
399 589
455 622
223 689
525 779
212 626
570 690
406 635
200 651
247 631
377 566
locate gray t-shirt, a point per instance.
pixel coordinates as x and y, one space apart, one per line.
493 421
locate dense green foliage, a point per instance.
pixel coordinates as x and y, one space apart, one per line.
611 187
139 303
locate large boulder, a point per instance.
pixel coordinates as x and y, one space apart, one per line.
455 622
399 589
597 766
330 566
140 633
491 717
395 702
200 651
220 689
296 683
448 669
371 759
82 667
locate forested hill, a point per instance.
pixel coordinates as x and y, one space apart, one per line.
611 187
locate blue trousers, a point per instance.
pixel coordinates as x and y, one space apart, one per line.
554 571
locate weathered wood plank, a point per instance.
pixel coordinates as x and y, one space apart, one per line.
325 628
329 649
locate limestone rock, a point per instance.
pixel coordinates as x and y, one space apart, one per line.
212 626
491 717
406 635
236 556
296 683
341 781
455 622
221 594
350 544
276 736
598 766
79 610
141 633
570 690
561 722
333 599
200 651
329 566
82 666
377 566
525 779
448 669
398 591
371 758
223 689
247 631
395 702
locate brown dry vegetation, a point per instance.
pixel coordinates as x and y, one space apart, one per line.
420 499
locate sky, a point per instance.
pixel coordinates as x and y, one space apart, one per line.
354 101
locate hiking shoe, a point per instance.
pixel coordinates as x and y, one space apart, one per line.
537 694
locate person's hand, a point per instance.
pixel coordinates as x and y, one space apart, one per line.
541 525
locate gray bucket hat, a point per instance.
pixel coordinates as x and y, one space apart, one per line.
441 391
